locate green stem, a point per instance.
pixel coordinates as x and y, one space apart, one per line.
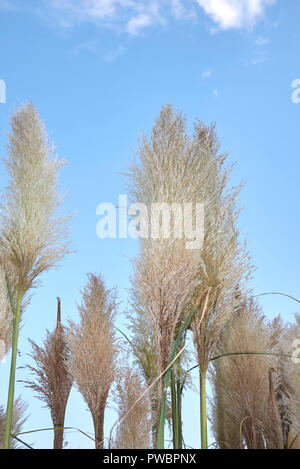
179 421
11 391
174 412
160 434
203 416
160 438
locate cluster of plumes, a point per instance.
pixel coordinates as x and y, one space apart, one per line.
93 349
134 432
165 271
53 382
19 419
225 263
253 394
33 236
178 169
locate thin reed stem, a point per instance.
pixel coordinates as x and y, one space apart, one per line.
203 414
179 422
11 390
174 411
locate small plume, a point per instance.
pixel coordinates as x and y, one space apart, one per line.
94 350
53 382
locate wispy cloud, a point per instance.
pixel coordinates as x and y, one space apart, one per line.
255 60
182 10
207 73
235 13
89 46
89 9
93 47
262 41
135 15
260 52
139 22
144 16
112 54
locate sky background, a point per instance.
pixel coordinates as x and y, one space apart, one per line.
99 72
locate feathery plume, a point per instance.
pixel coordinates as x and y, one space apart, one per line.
93 349
33 236
52 382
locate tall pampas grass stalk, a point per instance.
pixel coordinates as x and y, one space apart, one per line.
225 265
94 349
33 237
53 382
169 171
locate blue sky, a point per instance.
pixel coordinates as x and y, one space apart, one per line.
99 71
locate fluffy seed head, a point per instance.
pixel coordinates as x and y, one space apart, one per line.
33 236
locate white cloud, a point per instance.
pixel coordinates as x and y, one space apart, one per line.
112 54
90 9
235 13
135 15
147 15
138 22
262 41
255 61
182 10
207 73
132 15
